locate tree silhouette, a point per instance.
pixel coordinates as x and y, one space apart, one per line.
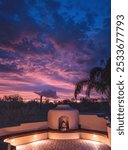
99 80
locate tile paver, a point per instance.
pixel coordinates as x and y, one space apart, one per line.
64 145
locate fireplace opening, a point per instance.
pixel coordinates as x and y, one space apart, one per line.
63 123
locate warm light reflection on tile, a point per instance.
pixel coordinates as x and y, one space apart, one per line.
63 145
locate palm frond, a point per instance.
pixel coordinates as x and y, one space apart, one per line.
99 79
79 87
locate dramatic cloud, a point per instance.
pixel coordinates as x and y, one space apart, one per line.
51 44
48 93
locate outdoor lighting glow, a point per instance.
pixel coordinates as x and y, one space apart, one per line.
94 135
12 140
78 101
35 136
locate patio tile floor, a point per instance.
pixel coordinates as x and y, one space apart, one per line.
64 145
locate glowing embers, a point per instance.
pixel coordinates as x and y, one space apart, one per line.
63 123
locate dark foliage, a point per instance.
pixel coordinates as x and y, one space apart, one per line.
17 112
99 80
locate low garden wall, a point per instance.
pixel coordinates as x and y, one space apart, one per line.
26 138
24 128
86 121
93 122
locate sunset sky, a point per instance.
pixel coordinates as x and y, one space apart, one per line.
51 44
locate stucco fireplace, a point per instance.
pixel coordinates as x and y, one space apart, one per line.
63 118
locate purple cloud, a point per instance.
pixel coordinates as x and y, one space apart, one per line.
48 93
51 44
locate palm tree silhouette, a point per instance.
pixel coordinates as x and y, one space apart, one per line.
99 79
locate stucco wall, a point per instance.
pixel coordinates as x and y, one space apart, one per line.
86 121
109 134
25 139
56 135
54 115
93 122
24 127
95 137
